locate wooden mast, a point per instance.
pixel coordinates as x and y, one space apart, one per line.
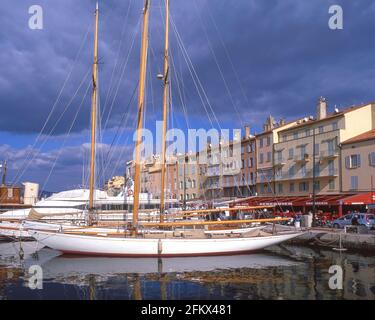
93 115
141 99
165 111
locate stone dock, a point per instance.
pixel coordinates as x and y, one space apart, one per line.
326 237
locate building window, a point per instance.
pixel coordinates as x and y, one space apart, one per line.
295 135
242 149
331 184
248 147
307 132
242 164
261 143
279 156
303 170
372 159
262 188
268 141
283 139
280 188
181 185
193 184
321 129
317 148
268 156
331 167
291 187
335 126
291 172
353 161
261 158
291 153
317 185
317 169
303 186
354 182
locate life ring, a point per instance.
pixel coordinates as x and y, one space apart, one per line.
130 192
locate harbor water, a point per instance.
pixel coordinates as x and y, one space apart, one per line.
281 272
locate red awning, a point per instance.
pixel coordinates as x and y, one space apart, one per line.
296 201
360 199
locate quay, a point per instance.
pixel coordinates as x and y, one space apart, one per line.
327 237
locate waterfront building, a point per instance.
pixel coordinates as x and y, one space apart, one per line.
242 182
310 149
265 156
191 177
358 163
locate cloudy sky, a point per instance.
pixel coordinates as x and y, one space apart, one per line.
233 62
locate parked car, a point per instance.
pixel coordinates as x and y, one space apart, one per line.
364 219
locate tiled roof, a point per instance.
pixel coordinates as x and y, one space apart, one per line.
328 117
369 135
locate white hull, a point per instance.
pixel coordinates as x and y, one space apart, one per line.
165 247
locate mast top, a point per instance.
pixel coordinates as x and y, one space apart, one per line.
97 6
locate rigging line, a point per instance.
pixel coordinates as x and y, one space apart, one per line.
109 159
99 137
66 137
228 55
183 104
182 46
122 74
109 92
193 78
125 114
53 128
54 104
218 65
195 73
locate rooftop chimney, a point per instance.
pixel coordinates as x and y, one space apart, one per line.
247 132
321 110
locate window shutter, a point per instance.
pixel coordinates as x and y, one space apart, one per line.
347 162
359 160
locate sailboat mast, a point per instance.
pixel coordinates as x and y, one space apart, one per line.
94 111
141 99
165 111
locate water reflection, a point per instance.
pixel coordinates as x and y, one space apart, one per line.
283 272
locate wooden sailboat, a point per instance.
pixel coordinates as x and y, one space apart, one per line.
183 238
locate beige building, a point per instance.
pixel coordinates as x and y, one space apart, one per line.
265 142
321 136
358 163
190 177
242 183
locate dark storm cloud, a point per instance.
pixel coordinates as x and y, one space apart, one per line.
253 58
283 53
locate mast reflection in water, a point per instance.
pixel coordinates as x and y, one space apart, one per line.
281 272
